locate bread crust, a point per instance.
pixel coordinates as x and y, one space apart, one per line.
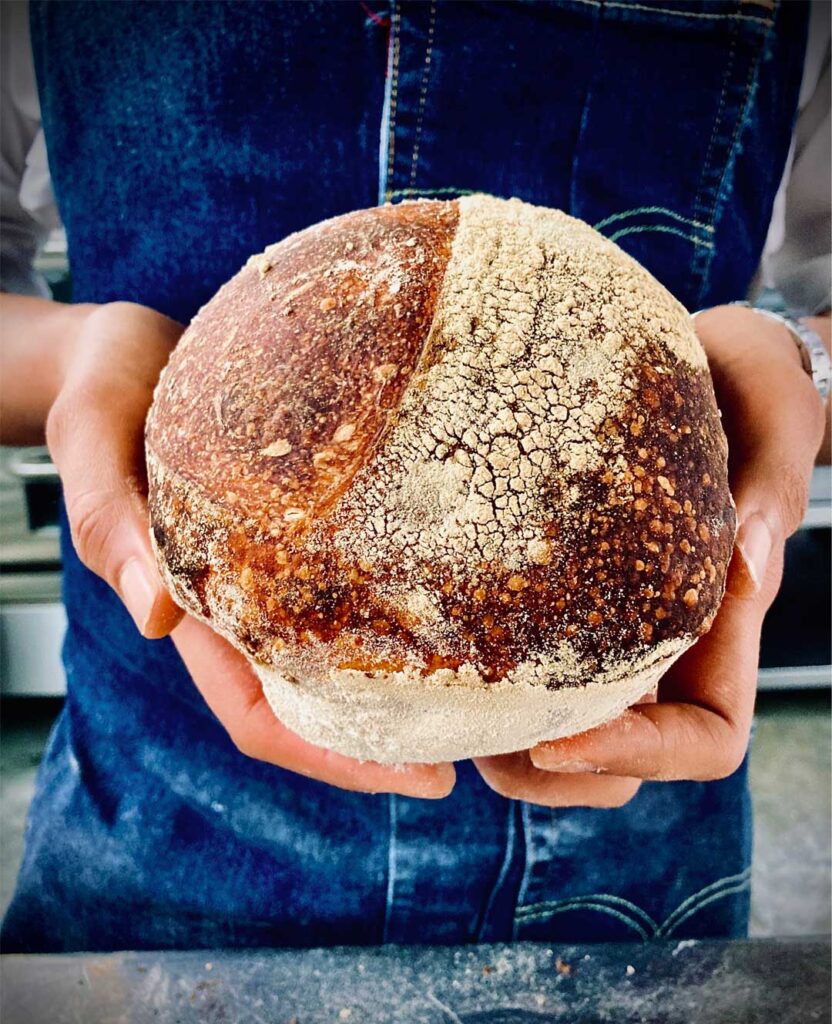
326 492
400 717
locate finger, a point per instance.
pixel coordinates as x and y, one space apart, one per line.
515 777
95 436
233 692
699 729
774 421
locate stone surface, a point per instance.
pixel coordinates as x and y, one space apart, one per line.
790 784
655 983
25 728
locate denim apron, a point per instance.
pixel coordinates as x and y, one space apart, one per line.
182 137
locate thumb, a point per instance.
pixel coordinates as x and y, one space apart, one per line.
95 435
773 418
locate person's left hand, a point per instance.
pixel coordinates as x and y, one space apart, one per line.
699 725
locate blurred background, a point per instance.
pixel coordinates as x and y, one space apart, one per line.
790 759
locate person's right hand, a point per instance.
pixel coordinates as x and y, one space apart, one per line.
95 433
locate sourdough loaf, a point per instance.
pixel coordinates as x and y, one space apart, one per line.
451 474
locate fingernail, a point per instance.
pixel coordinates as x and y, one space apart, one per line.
754 542
549 763
429 782
138 591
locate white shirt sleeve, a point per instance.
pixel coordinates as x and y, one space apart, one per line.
797 259
27 204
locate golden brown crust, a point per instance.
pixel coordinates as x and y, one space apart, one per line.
284 380
286 392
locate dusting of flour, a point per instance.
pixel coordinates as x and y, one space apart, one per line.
531 349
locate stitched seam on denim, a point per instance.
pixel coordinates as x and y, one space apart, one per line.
661 229
728 880
391 867
680 14
383 140
394 87
504 869
706 164
527 866
730 885
531 909
752 18
600 907
423 93
384 126
742 121
735 890
437 192
585 104
651 209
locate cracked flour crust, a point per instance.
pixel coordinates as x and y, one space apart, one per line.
502 405
493 509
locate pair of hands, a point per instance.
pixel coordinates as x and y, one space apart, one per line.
697 726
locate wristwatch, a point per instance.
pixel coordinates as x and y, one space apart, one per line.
813 354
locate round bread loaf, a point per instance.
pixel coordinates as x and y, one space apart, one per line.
451 475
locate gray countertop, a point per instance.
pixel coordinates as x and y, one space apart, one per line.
689 982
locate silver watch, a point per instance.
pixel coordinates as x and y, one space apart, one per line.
813 354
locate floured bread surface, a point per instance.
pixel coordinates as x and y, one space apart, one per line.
401 717
444 454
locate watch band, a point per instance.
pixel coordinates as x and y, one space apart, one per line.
813 354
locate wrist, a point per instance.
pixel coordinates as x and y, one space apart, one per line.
814 354
69 321
753 330
813 349
748 337
39 339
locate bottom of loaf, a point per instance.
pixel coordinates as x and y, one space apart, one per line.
395 718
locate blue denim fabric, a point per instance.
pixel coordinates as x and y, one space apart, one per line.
183 137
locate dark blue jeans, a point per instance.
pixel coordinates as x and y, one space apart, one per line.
183 137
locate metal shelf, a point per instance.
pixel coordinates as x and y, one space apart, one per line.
797 677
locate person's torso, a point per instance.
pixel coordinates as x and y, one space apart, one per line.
185 136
